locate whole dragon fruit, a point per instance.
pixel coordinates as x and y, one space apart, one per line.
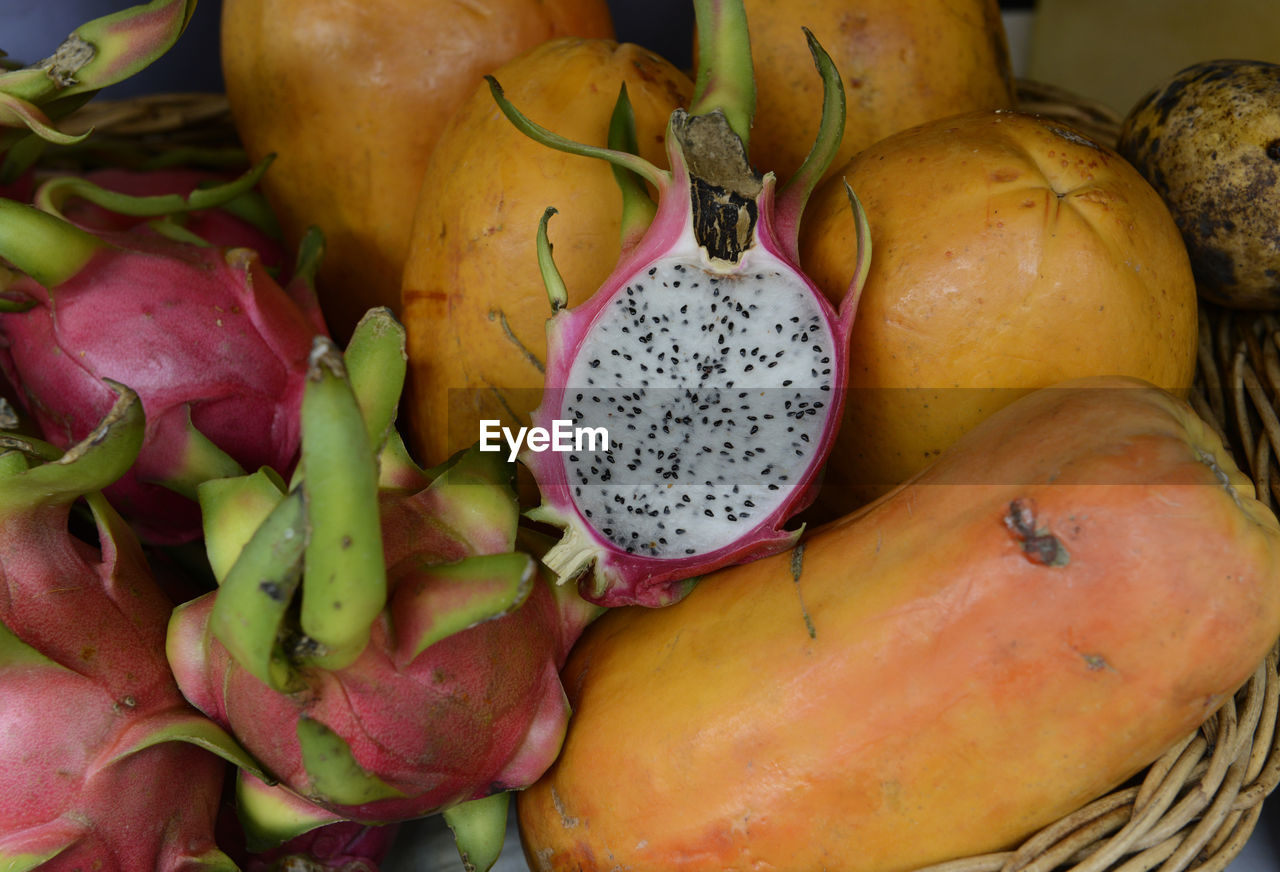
215 348
698 390
103 764
377 641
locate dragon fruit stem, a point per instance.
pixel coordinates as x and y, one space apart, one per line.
636 164
344 584
557 293
43 246
638 208
53 193
725 78
479 828
794 194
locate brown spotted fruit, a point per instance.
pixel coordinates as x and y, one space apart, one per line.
1009 252
473 302
1208 139
1066 593
351 98
903 62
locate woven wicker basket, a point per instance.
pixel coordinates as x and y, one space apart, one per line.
1195 807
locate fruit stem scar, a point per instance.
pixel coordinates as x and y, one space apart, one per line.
501 317
797 566
1039 545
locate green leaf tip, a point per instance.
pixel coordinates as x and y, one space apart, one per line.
830 131
638 208
479 830
538 133
557 293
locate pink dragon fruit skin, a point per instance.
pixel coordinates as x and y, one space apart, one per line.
103 764
453 694
210 342
482 712
715 365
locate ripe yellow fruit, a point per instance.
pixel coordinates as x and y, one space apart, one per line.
1009 252
351 98
473 303
903 62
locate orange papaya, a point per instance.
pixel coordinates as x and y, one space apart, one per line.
1069 590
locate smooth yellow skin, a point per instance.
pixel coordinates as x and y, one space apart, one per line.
903 62
474 305
914 687
1008 253
351 97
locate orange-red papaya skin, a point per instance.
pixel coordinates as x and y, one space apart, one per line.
1067 592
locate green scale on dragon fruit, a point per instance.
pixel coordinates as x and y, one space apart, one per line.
382 638
242 221
713 363
335 845
103 764
214 346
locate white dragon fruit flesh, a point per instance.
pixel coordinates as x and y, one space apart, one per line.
713 364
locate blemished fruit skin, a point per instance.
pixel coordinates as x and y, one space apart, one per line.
474 305
903 62
351 98
1065 594
1208 139
1009 252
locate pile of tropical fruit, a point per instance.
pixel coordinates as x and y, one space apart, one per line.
736 468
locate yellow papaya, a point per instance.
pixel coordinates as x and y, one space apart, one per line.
472 299
1070 589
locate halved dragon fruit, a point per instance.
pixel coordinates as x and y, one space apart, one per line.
103 764
216 349
713 364
379 640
